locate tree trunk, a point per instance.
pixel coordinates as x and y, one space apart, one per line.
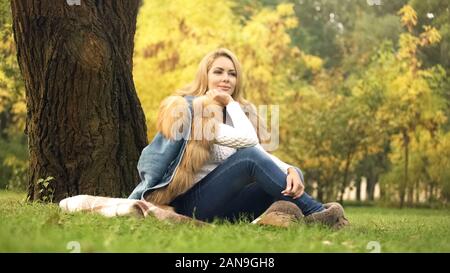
345 178
85 124
319 191
430 195
410 196
370 189
417 192
358 188
405 183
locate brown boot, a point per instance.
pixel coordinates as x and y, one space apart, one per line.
280 214
333 216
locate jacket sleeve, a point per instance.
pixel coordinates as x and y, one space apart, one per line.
153 163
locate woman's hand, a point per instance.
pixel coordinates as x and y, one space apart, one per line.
221 97
294 185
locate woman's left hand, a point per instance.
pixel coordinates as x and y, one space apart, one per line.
294 185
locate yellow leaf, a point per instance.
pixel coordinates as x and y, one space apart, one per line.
409 16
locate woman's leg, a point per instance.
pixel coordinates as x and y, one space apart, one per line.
251 201
211 196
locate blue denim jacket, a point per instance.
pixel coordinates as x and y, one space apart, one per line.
159 160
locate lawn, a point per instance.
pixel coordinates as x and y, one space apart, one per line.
36 227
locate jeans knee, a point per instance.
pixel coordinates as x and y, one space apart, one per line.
253 154
250 151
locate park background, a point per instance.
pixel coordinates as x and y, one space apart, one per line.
362 87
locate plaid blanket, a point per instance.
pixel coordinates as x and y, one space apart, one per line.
111 207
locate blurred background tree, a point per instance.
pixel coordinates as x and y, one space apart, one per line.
13 149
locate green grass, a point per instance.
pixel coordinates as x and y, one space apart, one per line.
35 227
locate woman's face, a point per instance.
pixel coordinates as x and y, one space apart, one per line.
222 75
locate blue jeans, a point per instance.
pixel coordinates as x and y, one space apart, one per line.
247 182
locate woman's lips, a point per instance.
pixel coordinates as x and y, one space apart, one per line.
224 88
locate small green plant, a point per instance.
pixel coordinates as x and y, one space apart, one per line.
45 189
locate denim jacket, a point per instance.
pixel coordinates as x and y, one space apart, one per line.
159 160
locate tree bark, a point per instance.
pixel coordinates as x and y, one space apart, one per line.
85 124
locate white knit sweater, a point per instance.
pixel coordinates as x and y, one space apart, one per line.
236 133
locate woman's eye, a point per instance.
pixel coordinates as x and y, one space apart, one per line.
233 74
217 72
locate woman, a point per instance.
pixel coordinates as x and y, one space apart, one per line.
206 160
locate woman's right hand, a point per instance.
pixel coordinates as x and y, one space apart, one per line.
294 184
221 97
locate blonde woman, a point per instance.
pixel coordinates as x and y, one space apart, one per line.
206 160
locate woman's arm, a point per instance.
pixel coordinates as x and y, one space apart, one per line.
241 135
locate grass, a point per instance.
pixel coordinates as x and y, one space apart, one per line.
36 227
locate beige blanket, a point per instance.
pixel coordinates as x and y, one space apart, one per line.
111 207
